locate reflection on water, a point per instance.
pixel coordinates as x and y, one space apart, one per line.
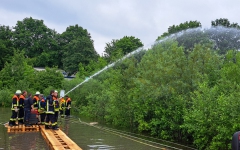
19 141
94 138
87 136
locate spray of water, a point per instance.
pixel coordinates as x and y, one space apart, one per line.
217 34
105 68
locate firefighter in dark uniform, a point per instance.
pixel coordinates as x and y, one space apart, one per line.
62 106
28 105
36 100
50 112
56 106
15 105
21 107
35 103
42 108
68 106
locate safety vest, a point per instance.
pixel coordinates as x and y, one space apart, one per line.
15 101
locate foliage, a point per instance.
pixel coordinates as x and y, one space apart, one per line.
224 22
117 48
16 71
48 78
185 88
92 67
224 39
5 98
37 40
18 74
181 27
77 47
221 38
6 45
169 94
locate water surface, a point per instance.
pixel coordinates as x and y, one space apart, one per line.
85 135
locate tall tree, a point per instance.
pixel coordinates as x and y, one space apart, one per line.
123 46
6 45
77 47
37 40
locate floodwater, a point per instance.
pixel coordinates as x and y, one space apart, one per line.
18 141
88 136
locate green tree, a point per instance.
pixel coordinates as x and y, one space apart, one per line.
77 47
224 22
37 40
183 26
6 45
5 97
117 48
92 67
50 77
17 71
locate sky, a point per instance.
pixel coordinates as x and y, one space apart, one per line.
106 20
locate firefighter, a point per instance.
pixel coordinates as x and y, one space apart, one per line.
28 105
42 108
50 112
36 100
21 107
62 107
35 104
68 106
15 105
56 106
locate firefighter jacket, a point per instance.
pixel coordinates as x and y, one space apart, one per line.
15 101
68 102
49 105
42 106
21 101
56 103
62 104
35 101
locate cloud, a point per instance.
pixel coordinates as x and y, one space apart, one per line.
112 19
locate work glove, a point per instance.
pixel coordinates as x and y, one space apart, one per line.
16 109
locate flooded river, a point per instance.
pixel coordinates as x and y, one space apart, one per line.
86 135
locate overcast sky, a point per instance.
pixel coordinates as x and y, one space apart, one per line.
106 20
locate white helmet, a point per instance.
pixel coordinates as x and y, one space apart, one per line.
56 91
18 92
37 93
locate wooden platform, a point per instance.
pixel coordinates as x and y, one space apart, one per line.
58 140
21 128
